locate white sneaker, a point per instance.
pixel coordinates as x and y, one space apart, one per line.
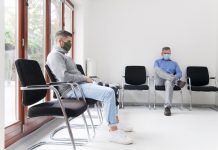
125 128
120 137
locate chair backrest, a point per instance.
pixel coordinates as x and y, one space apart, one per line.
80 68
30 73
50 74
199 75
135 75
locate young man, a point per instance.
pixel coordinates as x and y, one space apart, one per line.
168 73
65 70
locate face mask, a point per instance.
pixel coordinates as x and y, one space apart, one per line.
166 56
67 46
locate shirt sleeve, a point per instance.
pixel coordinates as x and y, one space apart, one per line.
156 64
178 72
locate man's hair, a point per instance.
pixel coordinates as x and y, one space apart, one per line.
63 33
165 48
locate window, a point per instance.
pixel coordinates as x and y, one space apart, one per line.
36 26
68 18
55 18
11 107
28 24
68 24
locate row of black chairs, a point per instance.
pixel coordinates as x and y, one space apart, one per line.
197 78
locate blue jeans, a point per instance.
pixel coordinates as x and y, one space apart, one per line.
100 93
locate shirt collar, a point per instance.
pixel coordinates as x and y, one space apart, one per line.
59 49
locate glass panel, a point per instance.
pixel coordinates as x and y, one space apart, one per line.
55 22
11 107
36 15
36 27
68 22
55 18
68 19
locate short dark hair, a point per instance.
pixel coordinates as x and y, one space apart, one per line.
165 48
63 33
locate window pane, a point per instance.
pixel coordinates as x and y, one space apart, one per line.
55 18
36 15
68 22
68 19
11 113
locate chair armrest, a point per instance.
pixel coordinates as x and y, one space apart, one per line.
214 78
57 83
36 87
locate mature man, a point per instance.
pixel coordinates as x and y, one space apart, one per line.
168 73
65 70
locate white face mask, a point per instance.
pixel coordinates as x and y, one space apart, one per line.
166 56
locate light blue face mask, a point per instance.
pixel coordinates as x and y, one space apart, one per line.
166 56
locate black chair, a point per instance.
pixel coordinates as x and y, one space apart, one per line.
162 88
88 101
96 78
135 79
34 89
80 68
198 80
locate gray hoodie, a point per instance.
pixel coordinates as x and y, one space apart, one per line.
64 69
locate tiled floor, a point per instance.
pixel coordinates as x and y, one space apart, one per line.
184 130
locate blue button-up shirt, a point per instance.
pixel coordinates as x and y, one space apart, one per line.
169 66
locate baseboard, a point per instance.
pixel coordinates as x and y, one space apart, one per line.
214 107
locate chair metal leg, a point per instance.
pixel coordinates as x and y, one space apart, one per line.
190 108
49 143
149 105
86 125
69 131
67 139
154 99
120 98
92 124
63 139
122 106
181 106
99 113
100 110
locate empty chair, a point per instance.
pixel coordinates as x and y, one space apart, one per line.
135 79
35 88
198 80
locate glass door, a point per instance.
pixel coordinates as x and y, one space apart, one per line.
11 107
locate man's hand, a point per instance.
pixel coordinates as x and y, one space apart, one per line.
89 80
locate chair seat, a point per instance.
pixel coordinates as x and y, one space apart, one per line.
203 88
136 87
91 101
73 108
162 88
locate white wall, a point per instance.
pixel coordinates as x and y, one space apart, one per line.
132 32
217 57
80 8
2 75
